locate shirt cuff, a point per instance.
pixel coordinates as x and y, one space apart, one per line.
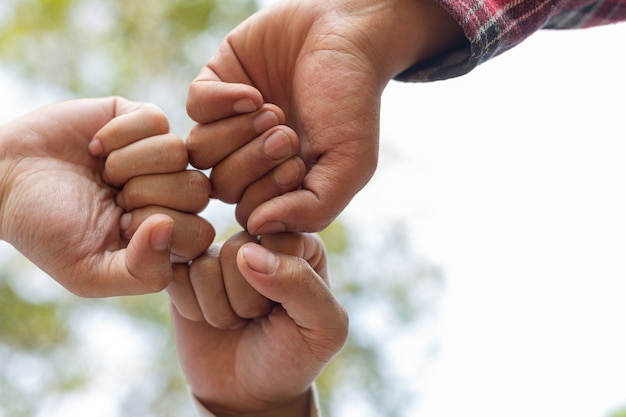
315 408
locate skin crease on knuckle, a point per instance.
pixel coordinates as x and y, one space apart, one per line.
202 235
200 190
192 233
203 270
176 153
252 309
155 117
112 168
132 195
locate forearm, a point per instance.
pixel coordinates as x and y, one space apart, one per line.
395 34
420 29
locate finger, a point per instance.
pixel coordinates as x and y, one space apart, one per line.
144 266
251 162
186 191
191 237
205 274
245 301
182 295
284 178
221 89
308 246
210 143
154 155
131 122
326 190
303 294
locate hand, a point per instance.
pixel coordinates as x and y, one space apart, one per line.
56 209
264 366
152 175
256 163
325 64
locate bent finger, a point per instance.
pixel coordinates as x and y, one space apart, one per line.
245 301
290 281
212 100
187 191
284 178
210 143
191 237
182 295
155 155
325 192
205 274
251 162
222 88
132 122
144 266
308 246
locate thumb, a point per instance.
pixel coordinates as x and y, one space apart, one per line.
327 189
144 266
304 295
301 210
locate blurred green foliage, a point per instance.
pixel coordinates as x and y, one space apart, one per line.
619 413
142 49
149 50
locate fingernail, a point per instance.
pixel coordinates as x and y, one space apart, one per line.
259 259
271 227
287 172
264 121
161 237
95 147
245 105
277 145
125 221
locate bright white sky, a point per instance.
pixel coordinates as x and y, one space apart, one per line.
512 180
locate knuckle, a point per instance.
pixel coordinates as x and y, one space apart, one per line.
176 153
224 188
155 283
157 118
203 236
227 195
131 195
189 313
222 321
252 310
242 214
112 169
202 266
199 189
195 91
197 151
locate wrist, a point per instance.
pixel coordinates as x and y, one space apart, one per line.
303 406
401 33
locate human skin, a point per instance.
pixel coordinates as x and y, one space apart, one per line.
265 366
58 210
325 64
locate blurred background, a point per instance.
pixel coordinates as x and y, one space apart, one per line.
483 266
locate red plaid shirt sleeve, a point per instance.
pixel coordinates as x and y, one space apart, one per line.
494 26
